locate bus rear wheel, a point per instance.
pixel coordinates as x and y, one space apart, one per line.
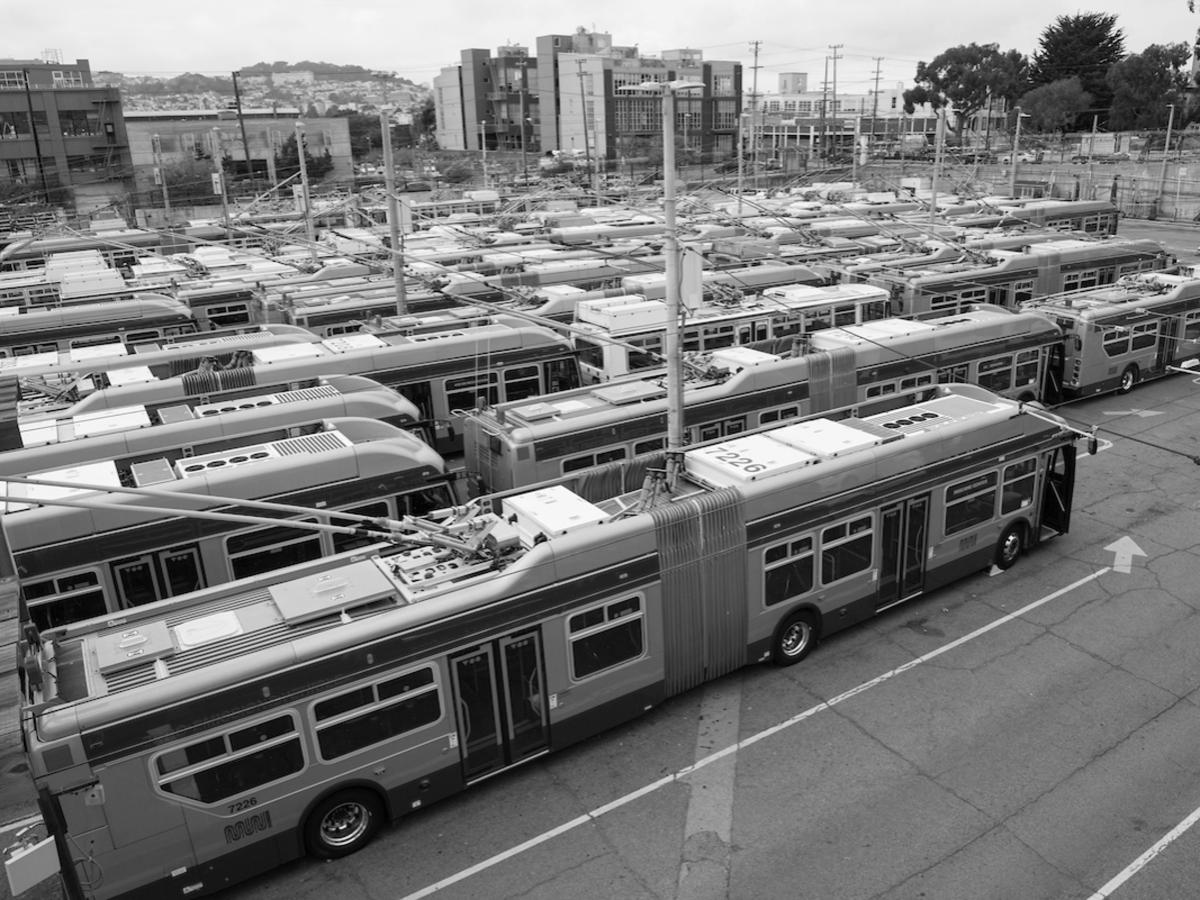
342 823
1008 548
795 639
1128 379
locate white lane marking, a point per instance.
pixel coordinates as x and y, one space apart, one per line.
1142 861
653 786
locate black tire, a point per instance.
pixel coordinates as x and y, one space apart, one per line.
794 639
1128 379
342 823
1009 547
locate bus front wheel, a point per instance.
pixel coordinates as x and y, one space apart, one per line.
342 823
1008 549
1128 379
795 639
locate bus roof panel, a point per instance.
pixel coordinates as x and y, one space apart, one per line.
744 459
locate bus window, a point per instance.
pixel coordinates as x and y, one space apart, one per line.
521 382
952 375
1145 336
64 599
217 768
264 549
380 712
970 503
425 501
606 636
560 375
472 391
995 374
846 549
1116 343
1018 486
650 446
787 571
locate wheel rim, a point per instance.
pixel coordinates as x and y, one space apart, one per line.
795 638
1126 380
1010 548
345 823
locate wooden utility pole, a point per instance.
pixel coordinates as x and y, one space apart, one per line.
835 48
875 103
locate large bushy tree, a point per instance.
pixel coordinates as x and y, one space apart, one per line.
1084 46
965 77
1056 106
1143 84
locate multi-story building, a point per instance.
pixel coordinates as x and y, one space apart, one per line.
62 139
580 95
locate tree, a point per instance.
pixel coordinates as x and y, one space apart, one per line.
1144 84
964 78
287 162
1083 46
1056 106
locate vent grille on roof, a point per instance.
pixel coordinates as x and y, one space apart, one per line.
912 421
324 442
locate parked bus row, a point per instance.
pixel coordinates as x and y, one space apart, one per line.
71 562
225 732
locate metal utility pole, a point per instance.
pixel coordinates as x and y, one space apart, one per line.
587 151
308 222
1012 175
37 144
393 213
754 45
237 99
741 160
219 182
824 106
939 144
875 102
160 176
524 128
835 48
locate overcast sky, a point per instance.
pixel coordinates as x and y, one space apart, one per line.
416 38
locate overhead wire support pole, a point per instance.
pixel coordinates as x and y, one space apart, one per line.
393 213
309 231
754 125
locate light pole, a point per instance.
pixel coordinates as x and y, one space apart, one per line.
1012 174
304 197
671 343
219 182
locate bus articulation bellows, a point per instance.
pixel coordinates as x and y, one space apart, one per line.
208 738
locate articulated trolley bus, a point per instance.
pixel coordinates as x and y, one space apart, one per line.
1010 278
511 445
621 335
442 372
1124 333
75 562
136 433
204 739
145 318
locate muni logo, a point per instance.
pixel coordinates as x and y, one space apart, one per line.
248 826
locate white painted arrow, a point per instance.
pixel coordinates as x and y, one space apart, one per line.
1140 413
1124 550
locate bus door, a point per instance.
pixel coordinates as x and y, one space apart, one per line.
904 536
153 576
500 702
1052 378
1058 489
1168 346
